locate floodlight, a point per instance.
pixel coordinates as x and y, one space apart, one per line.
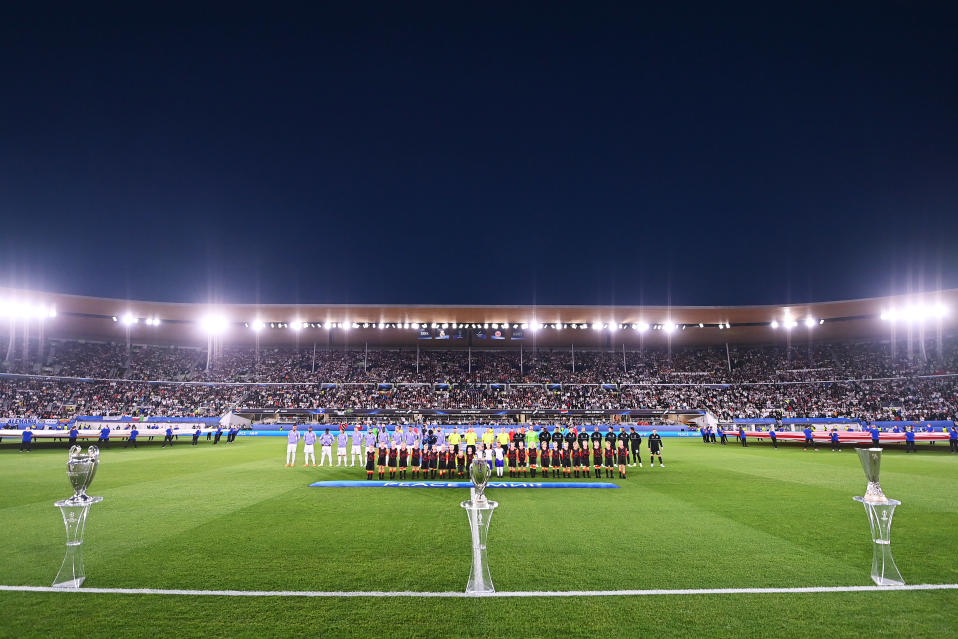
296 325
774 324
257 325
701 325
668 327
52 311
612 327
810 322
214 324
128 319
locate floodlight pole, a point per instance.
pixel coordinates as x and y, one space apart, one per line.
573 359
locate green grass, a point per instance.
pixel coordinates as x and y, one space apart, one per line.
234 517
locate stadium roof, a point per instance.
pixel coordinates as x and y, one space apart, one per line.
72 316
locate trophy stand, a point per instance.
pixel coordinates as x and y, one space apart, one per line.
71 573
480 514
880 510
884 570
479 510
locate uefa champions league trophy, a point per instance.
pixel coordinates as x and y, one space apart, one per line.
80 470
479 510
880 510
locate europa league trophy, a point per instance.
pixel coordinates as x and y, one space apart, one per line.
80 469
880 510
479 510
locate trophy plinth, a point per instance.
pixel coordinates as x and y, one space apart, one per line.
479 511
80 471
880 510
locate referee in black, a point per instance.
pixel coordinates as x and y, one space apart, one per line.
635 442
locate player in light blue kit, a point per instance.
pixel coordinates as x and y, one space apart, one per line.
292 440
326 441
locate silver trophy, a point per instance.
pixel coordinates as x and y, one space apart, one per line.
479 473
81 469
871 463
880 510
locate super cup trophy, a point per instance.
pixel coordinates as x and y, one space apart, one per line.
80 471
479 511
880 510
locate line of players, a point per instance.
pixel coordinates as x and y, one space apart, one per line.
561 460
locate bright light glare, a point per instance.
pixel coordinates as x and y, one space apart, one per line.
214 324
774 324
668 327
128 319
257 325
810 322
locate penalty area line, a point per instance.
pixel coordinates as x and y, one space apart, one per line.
502 594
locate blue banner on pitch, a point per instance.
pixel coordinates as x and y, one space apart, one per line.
458 484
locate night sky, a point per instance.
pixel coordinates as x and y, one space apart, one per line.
564 153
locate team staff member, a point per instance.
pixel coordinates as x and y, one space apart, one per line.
168 437
292 440
910 441
635 444
26 439
105 437
655 448
132 438
309 447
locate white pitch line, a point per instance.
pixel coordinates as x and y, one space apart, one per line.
514 593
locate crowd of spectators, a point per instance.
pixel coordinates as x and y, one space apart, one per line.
861 380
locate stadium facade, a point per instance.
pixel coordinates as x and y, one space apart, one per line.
54 315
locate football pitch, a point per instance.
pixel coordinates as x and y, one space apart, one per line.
233 517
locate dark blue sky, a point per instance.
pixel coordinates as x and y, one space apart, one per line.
483 153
